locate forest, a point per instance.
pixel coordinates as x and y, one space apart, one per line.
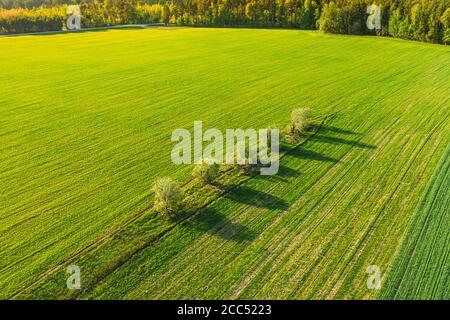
421 20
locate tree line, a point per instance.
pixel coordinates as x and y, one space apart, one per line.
169 198
422 20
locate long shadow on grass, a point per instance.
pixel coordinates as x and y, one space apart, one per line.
336 140
306 154
215 223
284 173
327 128
258 199
312 155
327 135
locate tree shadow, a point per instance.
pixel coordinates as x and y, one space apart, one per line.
286 148
213 222
312 155
283 174
285 171
326 134
327 128
258 199
336 140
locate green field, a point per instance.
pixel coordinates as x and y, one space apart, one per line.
85 127
422 267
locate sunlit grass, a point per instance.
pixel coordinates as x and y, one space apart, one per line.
85 129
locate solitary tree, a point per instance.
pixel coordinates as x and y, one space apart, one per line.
300 122
168 197
206 173
300 119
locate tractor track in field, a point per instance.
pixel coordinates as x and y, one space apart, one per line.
310 269
294 245
401 151
95 209
246 280
373 224
284 254
413 246
89 247
412 250
444 180
288 252
422 280
393 224
146 244
116 230
83 250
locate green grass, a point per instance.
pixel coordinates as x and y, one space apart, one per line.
421 270
86 120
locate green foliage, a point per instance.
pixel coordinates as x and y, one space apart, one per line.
168 197
301 119
332 19
423 20
300 123
32 20
445 20
15 4
205 173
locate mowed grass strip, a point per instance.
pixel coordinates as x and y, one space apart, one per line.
86 128
421 269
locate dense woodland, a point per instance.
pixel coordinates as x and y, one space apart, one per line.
423 20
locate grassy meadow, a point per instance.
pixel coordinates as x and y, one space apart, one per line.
85 126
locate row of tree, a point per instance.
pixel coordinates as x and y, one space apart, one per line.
169 198
423 20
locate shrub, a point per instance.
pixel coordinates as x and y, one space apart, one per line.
168 197
206 173
301 119
300 123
